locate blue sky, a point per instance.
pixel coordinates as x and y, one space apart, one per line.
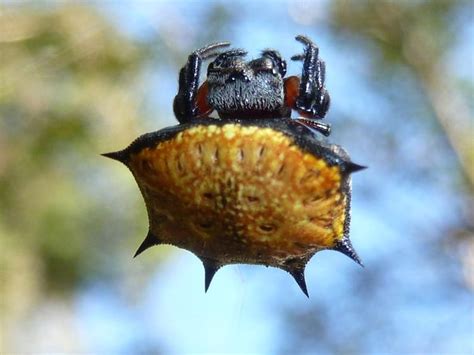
242 311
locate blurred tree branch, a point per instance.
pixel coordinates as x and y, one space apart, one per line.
419 34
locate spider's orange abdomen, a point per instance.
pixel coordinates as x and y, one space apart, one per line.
260 192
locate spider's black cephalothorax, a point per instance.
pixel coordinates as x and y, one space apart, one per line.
247 89
236 88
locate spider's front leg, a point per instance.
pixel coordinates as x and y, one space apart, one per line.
187 103
313 99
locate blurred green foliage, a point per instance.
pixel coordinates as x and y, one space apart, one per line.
419 35
397 28
65 93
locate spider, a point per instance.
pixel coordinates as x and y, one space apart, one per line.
255 89
250 187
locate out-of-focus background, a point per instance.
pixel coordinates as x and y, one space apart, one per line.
81 78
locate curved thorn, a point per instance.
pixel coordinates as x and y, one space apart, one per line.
345 247
119 156
150 240
350 167
298 275
210 269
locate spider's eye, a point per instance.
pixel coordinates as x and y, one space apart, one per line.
218 63
267 64
278 62
282 67
263 65
214 67
229 59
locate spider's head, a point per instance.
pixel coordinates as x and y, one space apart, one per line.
246 89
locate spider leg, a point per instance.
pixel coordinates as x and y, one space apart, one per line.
223 57
320 127
313 98
184 106
292 88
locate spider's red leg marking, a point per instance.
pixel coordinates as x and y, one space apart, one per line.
204 109
292 89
